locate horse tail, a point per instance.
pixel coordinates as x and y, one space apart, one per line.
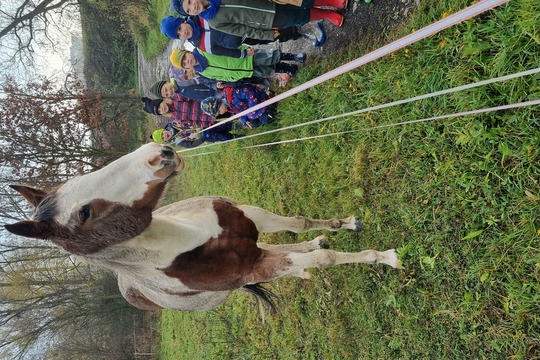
263 295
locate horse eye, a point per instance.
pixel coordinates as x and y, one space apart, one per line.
84 213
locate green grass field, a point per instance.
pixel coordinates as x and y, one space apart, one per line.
459 199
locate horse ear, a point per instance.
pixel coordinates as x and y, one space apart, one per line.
29 228
33 196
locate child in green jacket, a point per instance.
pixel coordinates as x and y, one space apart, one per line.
262 64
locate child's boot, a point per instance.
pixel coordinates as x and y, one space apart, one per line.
290 69
332 16
339 4
314 33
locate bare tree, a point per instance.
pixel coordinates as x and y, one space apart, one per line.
49 298
54 133
27 27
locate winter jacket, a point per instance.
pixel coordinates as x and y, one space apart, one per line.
197 92
241 98
188 113
244 18
225 68
216 42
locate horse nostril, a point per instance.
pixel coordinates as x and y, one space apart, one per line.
167 153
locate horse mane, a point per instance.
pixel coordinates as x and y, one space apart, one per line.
47 208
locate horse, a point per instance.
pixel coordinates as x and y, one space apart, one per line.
189 255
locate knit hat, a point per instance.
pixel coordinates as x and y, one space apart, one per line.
155 89
151 106
177 56
210 106
156 136
176 5
169 26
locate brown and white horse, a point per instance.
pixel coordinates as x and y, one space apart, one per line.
189 255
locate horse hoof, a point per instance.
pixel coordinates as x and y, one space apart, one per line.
358 225
323 245
319 243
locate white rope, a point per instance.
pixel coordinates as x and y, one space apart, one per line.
464 113
462 15
382 106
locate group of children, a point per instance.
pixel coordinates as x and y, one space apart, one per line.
224 74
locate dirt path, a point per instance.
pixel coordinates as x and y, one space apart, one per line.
366 21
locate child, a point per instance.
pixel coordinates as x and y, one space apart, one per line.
198 32
262 64
199 92
182 111
180 77
175 134
258 19
237 99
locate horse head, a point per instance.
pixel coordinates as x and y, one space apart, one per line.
114 204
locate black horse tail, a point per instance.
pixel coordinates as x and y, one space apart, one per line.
263 295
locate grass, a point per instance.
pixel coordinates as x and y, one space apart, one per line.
458 198
145 24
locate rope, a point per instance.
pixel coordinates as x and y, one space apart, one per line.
463 113
429 30
382 106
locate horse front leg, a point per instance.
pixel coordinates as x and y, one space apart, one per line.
303 247
267 221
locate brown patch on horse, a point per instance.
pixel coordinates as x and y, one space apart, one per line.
222 263
151 196
137 299
109 224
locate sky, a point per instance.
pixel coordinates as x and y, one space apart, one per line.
55 62
51 60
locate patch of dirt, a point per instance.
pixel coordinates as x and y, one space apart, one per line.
366 21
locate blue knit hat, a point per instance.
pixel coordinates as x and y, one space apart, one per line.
176 5
169 26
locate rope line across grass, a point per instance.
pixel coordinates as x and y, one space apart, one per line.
464 113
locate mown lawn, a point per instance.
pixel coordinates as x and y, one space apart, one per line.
458 198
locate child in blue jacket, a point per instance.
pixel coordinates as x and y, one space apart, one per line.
198 32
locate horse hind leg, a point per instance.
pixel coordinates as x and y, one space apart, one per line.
328 258
276 264
303 247
267 221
